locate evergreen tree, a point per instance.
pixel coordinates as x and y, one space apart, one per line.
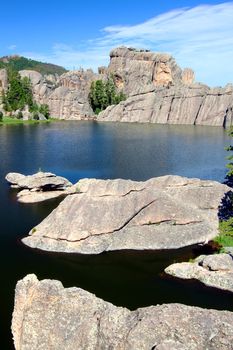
19 92
103 94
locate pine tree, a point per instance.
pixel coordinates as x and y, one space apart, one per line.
103 94
19 92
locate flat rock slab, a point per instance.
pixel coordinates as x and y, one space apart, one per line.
212 270
38 181
49 317
38 187
167 212
26 196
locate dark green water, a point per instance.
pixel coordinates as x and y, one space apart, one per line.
76 150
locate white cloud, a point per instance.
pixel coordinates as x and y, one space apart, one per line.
200 37
12 47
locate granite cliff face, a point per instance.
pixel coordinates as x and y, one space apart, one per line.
167 212
135 71
160 92
67 95
49 317
157 91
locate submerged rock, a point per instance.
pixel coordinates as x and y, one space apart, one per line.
47 316
38 187
212 270
167 212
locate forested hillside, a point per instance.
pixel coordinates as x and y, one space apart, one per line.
20 63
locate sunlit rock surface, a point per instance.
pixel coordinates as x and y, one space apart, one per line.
212 270
167 212
49 317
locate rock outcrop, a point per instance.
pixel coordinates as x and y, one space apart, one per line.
3 80
39 187
160 92
135 71
212 270
157 91
67 95
194 105
167 212
49 317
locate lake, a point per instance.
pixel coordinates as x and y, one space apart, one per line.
102 150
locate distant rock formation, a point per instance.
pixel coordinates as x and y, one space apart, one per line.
67 95
157 91
167 212
3 80
50 317
160 92
212 270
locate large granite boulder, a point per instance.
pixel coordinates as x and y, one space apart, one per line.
39 187
35 77
49 317
167 212
212 270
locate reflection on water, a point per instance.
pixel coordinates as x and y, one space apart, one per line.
76 150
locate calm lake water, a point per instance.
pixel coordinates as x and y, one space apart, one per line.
85 149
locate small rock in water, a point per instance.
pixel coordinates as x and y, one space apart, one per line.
38 187
212 270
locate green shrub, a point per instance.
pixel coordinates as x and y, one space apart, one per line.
1 116
35 116
19 115
44 109
225 238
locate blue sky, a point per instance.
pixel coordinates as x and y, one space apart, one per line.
81 33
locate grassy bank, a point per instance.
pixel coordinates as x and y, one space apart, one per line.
13 121
225 237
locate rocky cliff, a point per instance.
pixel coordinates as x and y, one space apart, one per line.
160 92
67 95
157 91
49 317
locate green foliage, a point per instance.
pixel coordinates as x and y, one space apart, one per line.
44 109
224 241
18 63
19 115
36 109
230 158
103 94
226 227
19 92
1 116
225 238
15 121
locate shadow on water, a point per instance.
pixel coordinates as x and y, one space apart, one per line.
75 150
